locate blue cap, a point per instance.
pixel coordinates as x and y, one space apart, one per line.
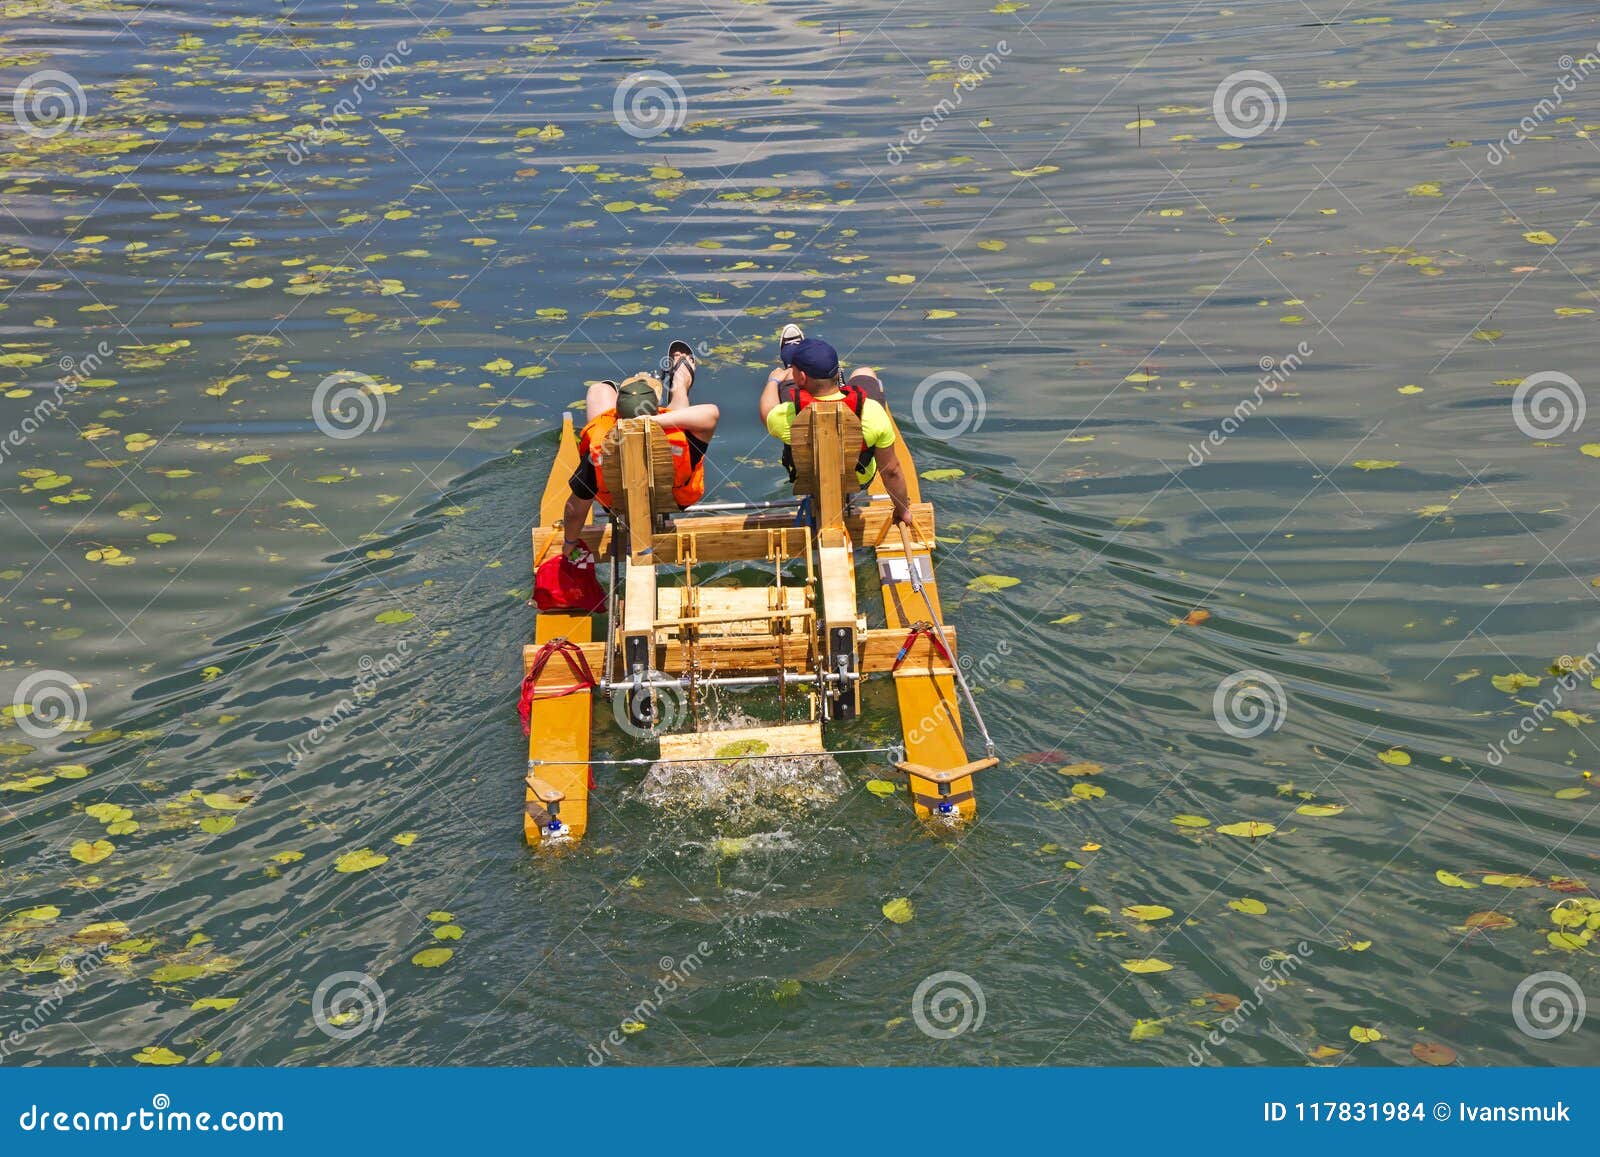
812 356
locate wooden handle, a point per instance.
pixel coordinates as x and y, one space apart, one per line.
947 774
546 793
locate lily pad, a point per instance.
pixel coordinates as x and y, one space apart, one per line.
1146 966
899 911
1249 829
360 860
152 1055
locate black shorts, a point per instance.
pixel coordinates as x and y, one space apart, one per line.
585 483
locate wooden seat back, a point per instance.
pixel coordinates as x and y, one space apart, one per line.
831 419
657 456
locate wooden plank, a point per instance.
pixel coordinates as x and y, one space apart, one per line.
637 490
727 544
785 739
930 712
556 672
734 610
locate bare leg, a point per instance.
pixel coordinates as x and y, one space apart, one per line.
678 387
601 399
867 381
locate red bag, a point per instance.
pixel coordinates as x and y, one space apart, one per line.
564 585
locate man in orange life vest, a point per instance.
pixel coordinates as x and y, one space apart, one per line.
810 372
689 430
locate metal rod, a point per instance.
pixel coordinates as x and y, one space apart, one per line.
730 681
645 761
933 617
728 617
780 504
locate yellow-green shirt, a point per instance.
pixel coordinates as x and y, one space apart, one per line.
876 430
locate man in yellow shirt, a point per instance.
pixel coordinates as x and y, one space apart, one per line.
810 372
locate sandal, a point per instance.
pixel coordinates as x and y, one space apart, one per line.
678 352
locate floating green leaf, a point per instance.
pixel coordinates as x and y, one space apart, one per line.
86 852
1147 965
1146 912
360 860
1249 829
151 1055
899 911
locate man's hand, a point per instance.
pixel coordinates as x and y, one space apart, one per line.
902 516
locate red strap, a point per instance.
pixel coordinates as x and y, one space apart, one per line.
911 638
583 678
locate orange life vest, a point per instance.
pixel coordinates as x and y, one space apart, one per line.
688 481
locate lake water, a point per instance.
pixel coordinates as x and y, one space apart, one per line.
453 203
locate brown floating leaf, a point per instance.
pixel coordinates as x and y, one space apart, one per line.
1430 1053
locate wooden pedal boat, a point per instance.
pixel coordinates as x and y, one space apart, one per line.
658 646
